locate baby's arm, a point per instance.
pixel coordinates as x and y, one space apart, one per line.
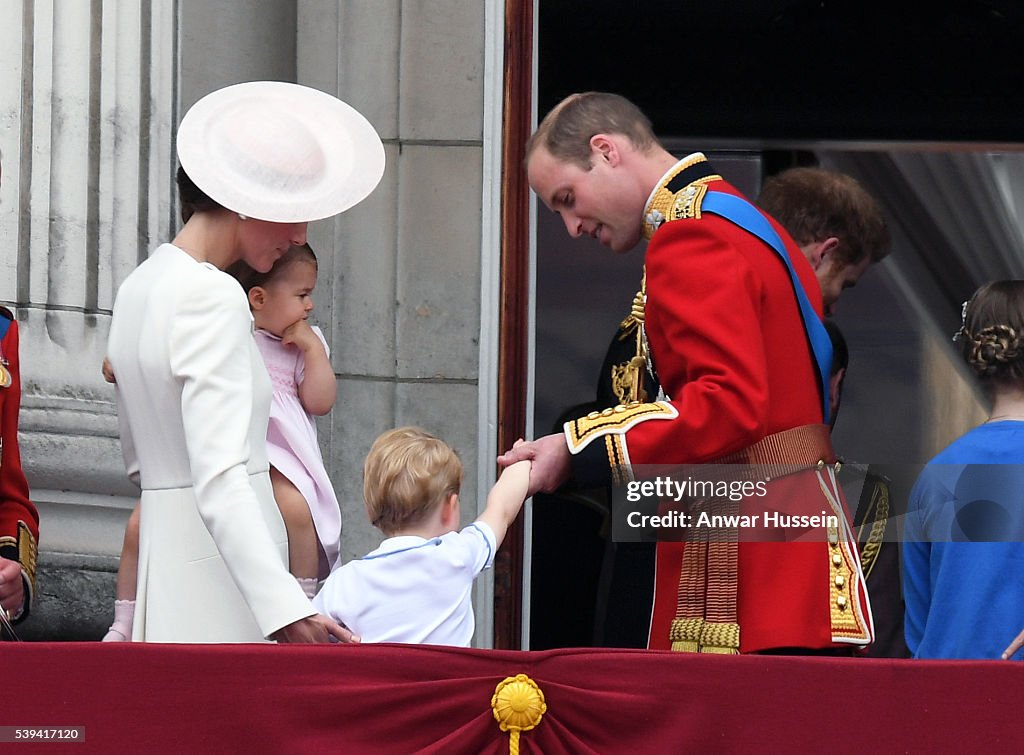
506 498
127 446
318 388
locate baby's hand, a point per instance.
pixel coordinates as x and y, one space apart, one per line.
301 334
108 371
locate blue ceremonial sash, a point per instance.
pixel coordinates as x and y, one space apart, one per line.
746 216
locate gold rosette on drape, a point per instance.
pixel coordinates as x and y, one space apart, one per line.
518 705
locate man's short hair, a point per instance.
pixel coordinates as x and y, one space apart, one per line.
814 204
407 474
566 131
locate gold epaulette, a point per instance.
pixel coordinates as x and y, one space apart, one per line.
580 432
682 204
671 203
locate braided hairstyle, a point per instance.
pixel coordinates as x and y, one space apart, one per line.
991 338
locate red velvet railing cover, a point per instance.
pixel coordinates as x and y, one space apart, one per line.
405 699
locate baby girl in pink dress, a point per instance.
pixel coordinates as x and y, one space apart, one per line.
297 358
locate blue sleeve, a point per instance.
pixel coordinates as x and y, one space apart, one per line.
916 555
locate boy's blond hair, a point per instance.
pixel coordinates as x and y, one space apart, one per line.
407 474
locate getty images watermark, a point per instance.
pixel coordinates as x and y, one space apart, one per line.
873 502
745 502
703 501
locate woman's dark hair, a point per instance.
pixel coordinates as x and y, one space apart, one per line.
250 278
991 338
192 198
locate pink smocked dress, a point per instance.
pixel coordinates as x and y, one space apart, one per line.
292 446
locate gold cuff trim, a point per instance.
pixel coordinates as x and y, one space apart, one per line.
618 459
28 551
580 432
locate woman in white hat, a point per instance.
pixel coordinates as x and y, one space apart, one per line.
258 162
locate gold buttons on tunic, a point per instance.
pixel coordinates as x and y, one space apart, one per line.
841 602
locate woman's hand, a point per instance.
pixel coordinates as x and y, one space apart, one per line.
316 628
1017 644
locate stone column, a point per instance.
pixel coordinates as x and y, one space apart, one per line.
86 122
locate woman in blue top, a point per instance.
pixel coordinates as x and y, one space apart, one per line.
965 551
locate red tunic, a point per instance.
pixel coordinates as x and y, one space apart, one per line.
730 351
19 521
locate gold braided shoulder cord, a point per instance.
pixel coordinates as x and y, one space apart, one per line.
628 377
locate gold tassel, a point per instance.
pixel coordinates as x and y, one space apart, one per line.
685 635
721 638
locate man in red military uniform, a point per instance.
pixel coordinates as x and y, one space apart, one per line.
19 522
725 326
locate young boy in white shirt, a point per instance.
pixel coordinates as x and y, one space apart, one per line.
415 587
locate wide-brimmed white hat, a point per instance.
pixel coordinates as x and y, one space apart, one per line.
278 151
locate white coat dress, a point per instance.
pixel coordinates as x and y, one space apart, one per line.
193 403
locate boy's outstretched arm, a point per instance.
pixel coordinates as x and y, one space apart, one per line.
506 498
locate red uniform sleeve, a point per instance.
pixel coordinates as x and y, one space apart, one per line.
19 521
